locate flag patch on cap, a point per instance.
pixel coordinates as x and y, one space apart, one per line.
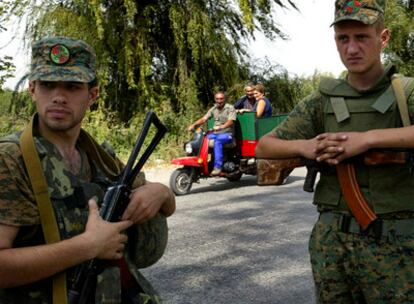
59 54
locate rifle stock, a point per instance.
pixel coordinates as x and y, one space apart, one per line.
113 205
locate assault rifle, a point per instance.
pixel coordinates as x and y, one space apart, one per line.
115 201
275 171
359 207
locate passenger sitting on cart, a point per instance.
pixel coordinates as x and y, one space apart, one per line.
224 117
262 107
246 102
254 101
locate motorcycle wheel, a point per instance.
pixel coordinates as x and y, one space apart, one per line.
235 177
180 181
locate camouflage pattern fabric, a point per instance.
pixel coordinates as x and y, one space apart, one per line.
228 112
69 195
62 59
353 268
365 11
306 119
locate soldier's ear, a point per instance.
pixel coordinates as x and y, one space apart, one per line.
31 89
385 37
93 94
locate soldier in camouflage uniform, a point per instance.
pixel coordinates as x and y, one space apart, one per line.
336 125
224 116
63 86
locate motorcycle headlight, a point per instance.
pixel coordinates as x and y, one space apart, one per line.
188 148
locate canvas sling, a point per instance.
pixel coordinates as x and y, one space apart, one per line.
40 189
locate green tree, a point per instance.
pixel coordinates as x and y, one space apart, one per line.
6 66
400 20
6 69
167 52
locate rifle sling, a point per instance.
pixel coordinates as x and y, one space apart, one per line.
401 100
353 196
44 205
102 158
41 192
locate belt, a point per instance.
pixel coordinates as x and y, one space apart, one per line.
379 228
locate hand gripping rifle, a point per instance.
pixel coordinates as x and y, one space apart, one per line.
114 203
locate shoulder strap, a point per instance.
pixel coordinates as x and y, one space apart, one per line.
47 214
401 99
102 158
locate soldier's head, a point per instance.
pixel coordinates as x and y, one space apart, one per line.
360 34
62 82
63 59
220 99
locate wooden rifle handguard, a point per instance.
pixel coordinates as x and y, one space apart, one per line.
373 158
353 196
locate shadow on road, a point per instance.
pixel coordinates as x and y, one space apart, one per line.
236 242
221 184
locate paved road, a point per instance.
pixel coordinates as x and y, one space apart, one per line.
237 243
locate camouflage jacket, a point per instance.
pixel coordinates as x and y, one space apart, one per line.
69 195
310 118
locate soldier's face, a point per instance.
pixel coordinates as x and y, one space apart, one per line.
360 45
61 105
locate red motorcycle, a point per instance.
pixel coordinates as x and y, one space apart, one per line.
238 157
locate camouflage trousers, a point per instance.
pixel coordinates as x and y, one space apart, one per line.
356 268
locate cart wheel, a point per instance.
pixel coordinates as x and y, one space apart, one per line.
235 177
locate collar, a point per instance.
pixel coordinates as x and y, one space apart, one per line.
340 87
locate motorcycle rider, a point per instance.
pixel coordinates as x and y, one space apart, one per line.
224 117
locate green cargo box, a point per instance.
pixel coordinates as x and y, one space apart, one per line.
250 128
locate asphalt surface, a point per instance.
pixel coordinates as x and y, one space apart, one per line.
236 242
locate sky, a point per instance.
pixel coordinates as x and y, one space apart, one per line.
310 46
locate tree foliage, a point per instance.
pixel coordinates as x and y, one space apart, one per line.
6 66
400 20
153 52
6 69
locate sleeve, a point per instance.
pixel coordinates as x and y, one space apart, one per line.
17 202
304 122
239 104
147 241
209 113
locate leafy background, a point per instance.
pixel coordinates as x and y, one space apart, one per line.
170 56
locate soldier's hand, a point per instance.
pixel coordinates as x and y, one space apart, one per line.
146 201
308 148
328 147
333 148
105 238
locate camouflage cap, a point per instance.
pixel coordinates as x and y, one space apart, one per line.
365 11
62 59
